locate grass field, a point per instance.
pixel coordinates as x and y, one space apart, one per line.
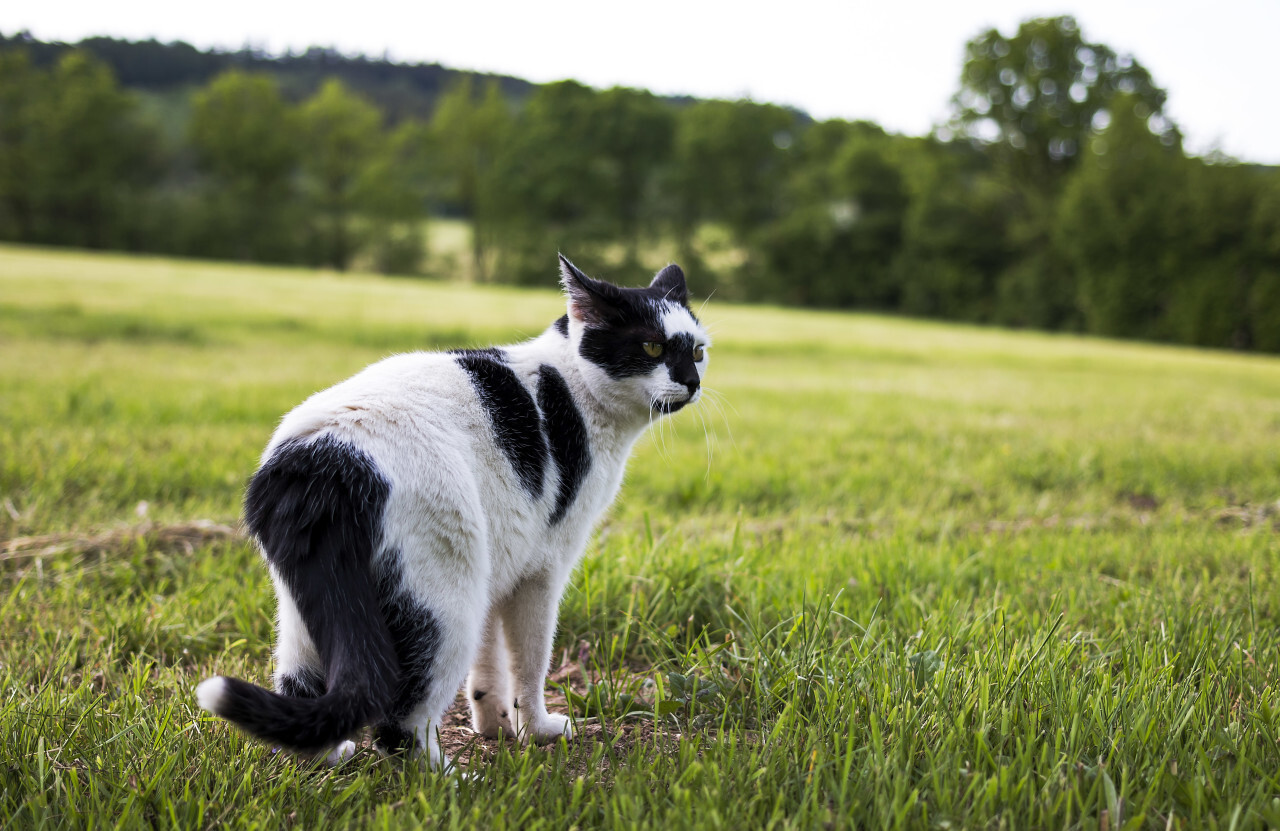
903 575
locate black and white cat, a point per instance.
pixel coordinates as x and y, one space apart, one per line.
422 518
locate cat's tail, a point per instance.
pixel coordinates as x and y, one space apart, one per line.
316 507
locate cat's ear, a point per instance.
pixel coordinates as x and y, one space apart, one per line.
670 282
591 301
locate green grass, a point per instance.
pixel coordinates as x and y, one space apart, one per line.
939 576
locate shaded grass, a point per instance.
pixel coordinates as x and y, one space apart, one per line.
940 576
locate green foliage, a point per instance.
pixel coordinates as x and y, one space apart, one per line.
242 131
840 242
1033 102
1264 297
579 174
954 247
1060 199
467 135
73 153
1164 246
322 183
389 201
931 575
550 203
20 86
403 91
342 136
634 131
730 163
1119 223
1036 96
247 140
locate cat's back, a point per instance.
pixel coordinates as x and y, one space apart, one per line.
399 401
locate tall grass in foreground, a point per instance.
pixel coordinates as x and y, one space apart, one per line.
905 575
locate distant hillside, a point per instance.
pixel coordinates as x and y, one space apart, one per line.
401 90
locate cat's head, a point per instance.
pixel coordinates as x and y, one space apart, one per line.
639 348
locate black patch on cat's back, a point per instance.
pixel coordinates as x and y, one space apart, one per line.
517 427
490 352
566 435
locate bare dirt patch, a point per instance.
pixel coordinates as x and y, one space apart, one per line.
619 736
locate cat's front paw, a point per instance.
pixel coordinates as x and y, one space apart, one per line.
548 728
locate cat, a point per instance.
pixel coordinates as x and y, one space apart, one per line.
421 520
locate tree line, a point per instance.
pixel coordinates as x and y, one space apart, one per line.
1058 196
400 90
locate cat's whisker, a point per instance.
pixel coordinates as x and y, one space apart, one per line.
659 435
717 400
707 436
725 423
705 301
720 397
664 430
720 402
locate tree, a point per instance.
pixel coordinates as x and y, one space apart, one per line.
1223 258
1264 296
74 154
465 138
836 243
1032 102
955 233
21 86
1120 224
633 133
246 141
390 193
731 159
578 174
1035 98
342 135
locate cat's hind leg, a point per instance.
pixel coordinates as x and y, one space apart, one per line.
426 694
489 685
299 671
436 620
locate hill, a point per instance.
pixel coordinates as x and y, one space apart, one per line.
401 90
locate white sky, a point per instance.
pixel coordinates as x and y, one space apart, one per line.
895 63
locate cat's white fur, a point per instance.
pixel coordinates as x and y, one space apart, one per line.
476 549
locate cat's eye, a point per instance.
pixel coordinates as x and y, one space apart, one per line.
653 350
698 353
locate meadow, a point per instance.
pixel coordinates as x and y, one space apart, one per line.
891 574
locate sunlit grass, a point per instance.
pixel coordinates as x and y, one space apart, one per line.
941 576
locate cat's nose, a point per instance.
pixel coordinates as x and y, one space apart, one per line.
687 375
